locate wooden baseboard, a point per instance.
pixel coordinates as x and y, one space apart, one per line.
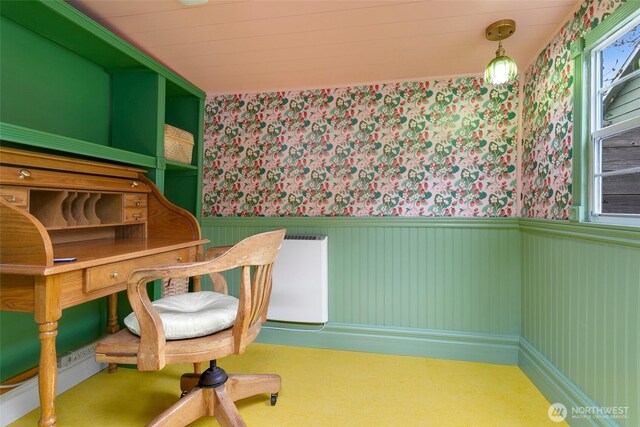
498 349
557 388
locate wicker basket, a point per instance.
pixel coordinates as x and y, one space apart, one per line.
178 144
174 287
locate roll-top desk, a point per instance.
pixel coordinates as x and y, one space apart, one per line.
108 219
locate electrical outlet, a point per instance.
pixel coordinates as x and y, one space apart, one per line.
77 355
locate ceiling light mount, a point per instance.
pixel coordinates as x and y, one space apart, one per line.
501 69
192 2
501 30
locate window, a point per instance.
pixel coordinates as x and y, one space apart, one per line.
615 125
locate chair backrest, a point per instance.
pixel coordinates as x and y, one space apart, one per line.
257 253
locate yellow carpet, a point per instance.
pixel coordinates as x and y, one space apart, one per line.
323 388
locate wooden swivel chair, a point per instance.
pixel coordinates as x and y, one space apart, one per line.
213 392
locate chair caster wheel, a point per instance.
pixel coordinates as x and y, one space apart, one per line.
274 399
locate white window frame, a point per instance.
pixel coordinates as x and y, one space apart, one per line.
597 133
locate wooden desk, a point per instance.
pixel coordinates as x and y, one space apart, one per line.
47 212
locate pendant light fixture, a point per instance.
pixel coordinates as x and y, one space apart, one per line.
501 69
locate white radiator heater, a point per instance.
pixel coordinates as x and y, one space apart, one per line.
300 282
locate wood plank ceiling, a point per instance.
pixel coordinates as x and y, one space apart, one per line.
257 46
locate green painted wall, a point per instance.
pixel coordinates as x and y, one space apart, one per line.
44 84
437 274
428 286
19 335
137 113
580 309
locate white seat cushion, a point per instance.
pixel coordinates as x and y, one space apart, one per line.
191 315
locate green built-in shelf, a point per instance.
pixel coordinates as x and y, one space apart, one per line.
40 139
177 166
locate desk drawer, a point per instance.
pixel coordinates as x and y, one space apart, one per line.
117 273
135 214
34 177
135 200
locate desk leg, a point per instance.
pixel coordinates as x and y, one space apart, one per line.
47 312
48 377
112 324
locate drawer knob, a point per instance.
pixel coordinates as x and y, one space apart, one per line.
24 173
138 202
179 259
134 183
115 275
137 217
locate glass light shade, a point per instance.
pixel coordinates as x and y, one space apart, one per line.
500 70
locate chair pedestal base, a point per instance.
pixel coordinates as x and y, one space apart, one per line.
215 399
213 377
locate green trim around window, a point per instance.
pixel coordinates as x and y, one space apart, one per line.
580 210
619 18
581 159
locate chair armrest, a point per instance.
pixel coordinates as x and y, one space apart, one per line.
151 356
215 251
152 337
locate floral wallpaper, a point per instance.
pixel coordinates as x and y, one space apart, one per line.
428 148
547 121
